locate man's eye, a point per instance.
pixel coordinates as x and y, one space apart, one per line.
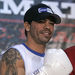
51 24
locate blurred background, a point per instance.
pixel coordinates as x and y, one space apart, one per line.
12 28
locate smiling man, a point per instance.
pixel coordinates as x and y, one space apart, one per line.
28 58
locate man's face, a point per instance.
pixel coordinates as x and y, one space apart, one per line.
41 31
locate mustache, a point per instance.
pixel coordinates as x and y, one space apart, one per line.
46 30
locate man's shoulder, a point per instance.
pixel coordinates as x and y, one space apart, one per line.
11 61
11 54
12 49
17 46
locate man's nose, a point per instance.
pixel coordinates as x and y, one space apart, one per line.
48 26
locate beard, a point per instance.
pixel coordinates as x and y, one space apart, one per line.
44 36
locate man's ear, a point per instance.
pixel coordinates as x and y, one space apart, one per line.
27 26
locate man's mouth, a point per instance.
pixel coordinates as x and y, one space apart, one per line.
46 33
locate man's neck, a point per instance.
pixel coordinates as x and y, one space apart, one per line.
40 48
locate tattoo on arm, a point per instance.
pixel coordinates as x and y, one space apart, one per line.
10 58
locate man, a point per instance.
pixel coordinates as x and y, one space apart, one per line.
28 58
71 54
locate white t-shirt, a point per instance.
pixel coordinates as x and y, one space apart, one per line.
32 59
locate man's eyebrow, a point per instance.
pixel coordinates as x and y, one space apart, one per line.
40 21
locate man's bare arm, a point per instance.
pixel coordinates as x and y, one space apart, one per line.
12 63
